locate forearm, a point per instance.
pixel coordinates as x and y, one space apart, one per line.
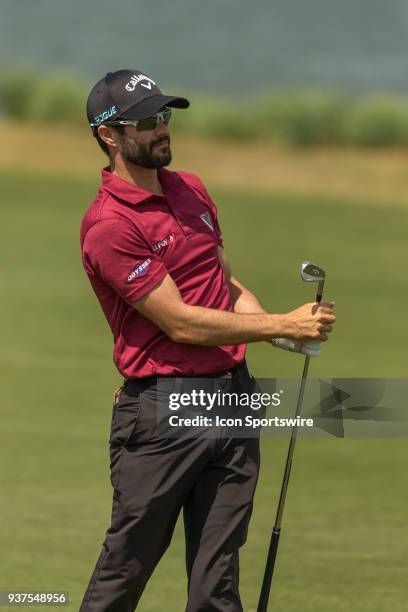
189 324
244 301
210 327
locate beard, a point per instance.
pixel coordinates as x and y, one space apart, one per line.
143 154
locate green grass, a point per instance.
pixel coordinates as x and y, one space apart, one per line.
344 540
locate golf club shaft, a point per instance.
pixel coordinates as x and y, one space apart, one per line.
320 291
273 546
291 450
274 542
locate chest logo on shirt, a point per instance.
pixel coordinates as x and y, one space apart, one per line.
161 244
206 217
140 269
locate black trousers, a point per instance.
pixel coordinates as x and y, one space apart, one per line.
212 479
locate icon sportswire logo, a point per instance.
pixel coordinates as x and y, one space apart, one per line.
138 78
140 269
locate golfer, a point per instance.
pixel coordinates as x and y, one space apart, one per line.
153 252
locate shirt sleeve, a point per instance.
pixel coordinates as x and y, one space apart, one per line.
117 253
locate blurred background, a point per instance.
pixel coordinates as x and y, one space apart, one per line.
299 129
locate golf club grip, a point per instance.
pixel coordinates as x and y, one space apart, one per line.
270 566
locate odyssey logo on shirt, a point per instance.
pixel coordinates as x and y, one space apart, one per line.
163 243
140 269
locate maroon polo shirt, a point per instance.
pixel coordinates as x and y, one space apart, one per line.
130 239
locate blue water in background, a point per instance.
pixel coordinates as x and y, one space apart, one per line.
228 47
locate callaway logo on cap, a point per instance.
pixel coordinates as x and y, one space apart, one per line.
127 94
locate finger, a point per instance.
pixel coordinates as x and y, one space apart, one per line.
325 308
328 313
327 329
328 319
323 337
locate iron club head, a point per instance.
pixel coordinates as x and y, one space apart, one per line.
311 273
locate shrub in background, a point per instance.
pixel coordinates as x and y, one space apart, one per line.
302 118
299 118
59 99
377 121
210 117
51 98
17 89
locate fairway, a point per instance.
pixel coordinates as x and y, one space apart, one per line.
343 545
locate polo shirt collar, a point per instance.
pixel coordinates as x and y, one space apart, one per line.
132 194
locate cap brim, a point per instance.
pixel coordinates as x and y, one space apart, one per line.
149 106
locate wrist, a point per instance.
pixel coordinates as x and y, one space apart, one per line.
280 326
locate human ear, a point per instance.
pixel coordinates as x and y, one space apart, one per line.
108 135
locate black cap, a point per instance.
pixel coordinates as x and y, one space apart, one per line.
127 94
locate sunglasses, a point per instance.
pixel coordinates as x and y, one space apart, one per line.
143 125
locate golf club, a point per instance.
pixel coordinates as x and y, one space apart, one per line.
310 273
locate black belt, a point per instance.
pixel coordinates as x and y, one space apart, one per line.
138 385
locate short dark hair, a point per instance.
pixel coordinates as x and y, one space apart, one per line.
102 143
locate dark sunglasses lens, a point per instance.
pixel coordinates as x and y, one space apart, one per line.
146 124
151 122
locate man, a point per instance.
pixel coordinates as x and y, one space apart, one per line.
153 251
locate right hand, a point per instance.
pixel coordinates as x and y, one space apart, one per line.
313 321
